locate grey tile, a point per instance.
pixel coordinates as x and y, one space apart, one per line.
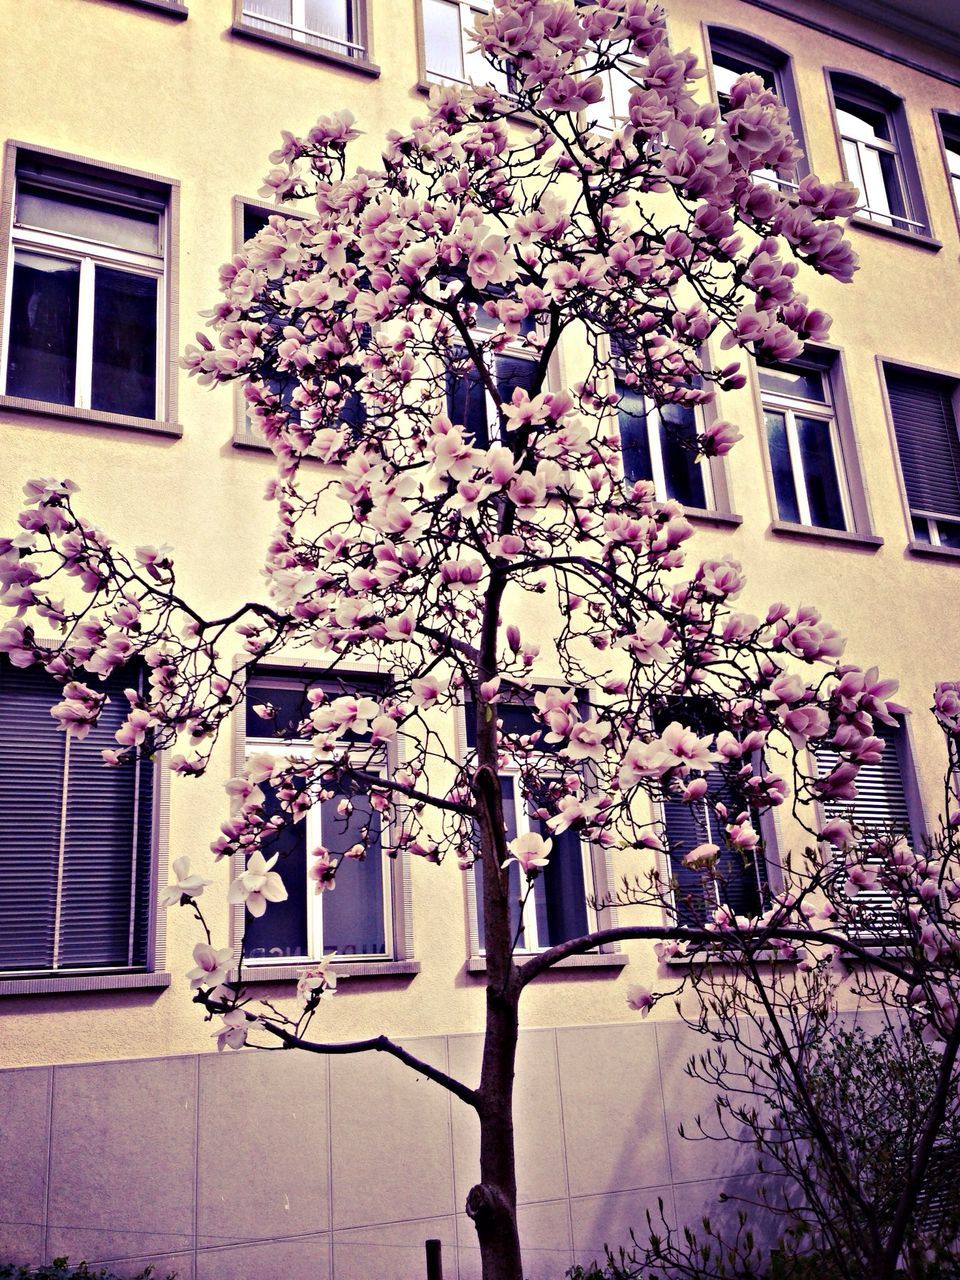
390 1138
24 1137
263 1147
122 1168
545 1242
538 1133
612 1108
694 1157
391 1251
305 1258
605 1221
698 1200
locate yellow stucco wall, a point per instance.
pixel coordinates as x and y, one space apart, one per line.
189 101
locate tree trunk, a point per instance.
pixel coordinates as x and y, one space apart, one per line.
492 1203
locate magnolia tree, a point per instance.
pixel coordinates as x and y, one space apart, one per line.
499 220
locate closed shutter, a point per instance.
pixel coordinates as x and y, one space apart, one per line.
737 880
927 441
879 809
75 836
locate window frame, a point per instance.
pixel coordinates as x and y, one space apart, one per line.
397 899
716 483
829 360
915 545
869 95
912 801
598 871
429 78
88 254
762 56
948 133
297 41
151 975
511 350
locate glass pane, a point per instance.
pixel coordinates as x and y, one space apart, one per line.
921 529
632 414
281 932
125 343
682 473
893 186
353 917
561 905
42 363
135 229
820 473
948 532
512 372
467 403
793 380
859 121
330 18
513 870
787 506
441 39
254 220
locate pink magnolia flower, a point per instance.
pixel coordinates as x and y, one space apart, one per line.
946 702
212 966
859 877
640 999
258 884
586 741
79 710
232 1033
701 858
718 438
531 851
184 885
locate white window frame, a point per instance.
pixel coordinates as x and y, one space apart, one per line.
824 411
602 115
876 202
370 761
90 254
948 124
468 9
655 445
298 31
525 825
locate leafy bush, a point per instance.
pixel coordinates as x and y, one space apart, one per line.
61 1269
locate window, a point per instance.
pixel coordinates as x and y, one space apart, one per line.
469 403
448 49
883 807
77 879
803 441
325 26
923 409
613 109
249 220
734 54
86 294
877 154
659 444
556 907
738 879
363 916
950 133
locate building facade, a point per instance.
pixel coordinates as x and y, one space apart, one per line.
137 135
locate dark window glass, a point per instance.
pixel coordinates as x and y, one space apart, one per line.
42 363
820 473
125 343
632 413
281 932
683 474
787 506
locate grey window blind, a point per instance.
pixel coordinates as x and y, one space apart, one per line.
75 836
880 808
927 441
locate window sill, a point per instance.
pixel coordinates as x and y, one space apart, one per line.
709 958
720 519
172 8
930 551
342 968
592 960
40 986
920 239
89 417
289 45
865 541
